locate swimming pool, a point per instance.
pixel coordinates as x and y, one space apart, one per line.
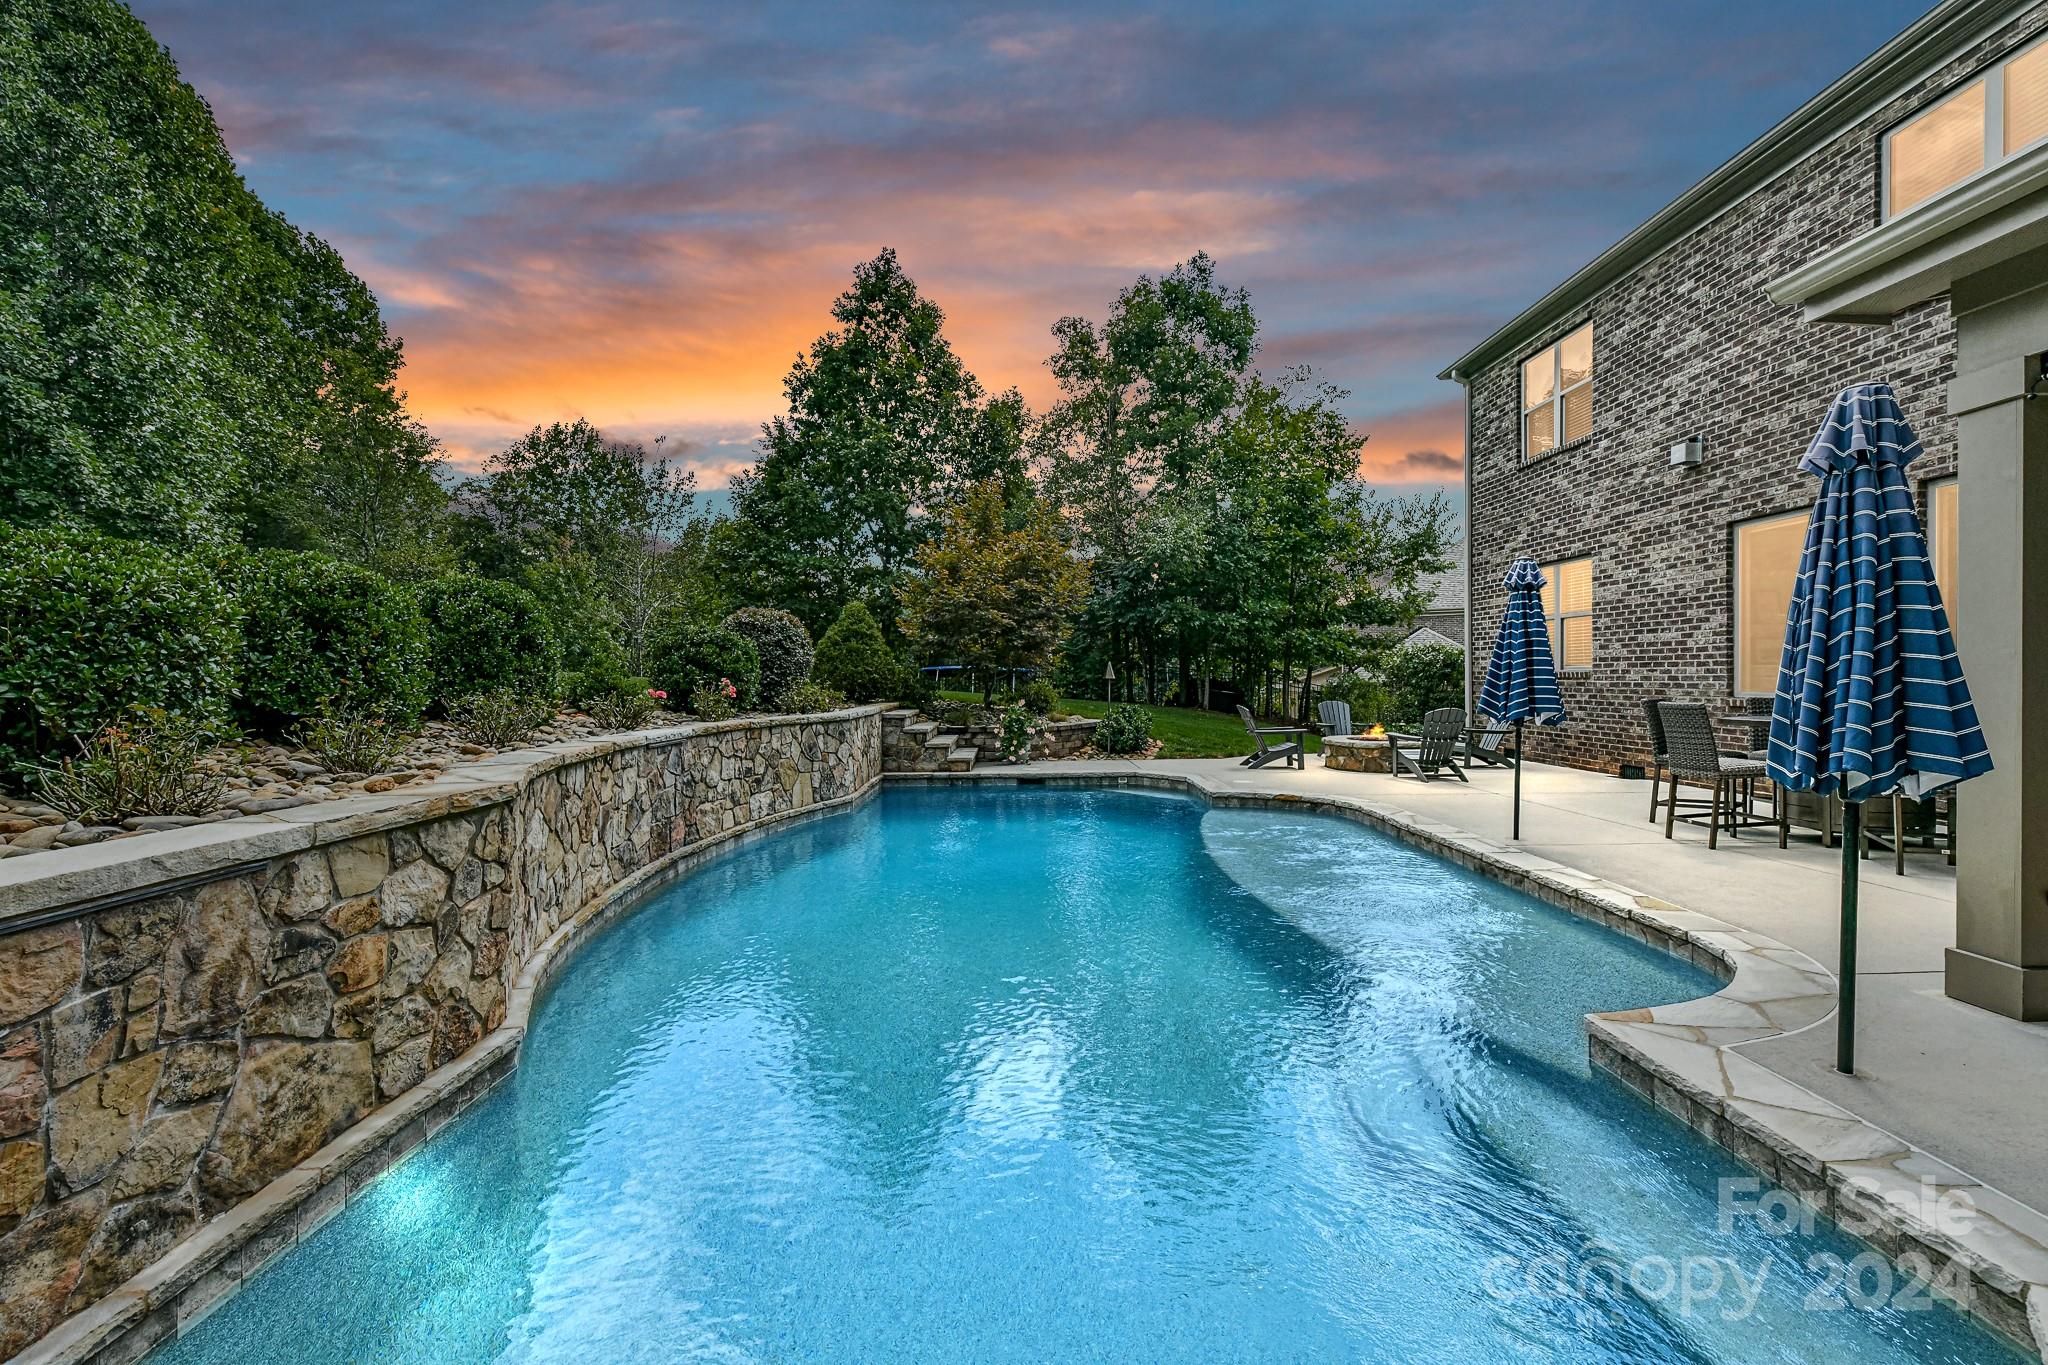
1022 1075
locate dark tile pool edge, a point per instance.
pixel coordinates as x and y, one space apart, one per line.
1684 1059
202 1272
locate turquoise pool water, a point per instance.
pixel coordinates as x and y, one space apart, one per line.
1030 1075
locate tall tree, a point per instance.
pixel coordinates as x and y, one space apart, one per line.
884 425
584 523
175 359
991 597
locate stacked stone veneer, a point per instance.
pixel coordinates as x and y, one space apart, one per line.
1688 344
196 1017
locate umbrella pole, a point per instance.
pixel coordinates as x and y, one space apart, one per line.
1845 1014
1518 779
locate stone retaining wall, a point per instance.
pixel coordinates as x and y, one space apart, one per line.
188 1016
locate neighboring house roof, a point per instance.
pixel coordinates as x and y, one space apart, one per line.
1423 635
1446 590
1926 42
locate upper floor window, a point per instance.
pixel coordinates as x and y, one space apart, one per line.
1996 116
1767 553
1568 608
1557 394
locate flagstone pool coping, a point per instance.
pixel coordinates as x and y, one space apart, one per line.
1681 1057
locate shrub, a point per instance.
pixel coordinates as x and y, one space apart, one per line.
784 647
500 719
91 626
1125 729
145 764
1368 698
815 696
1423 677
715 700
683 656
853 657
917 688
1038 697
320 633
352 741
486 635
1017 729
626 707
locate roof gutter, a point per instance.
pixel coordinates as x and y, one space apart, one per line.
1927 42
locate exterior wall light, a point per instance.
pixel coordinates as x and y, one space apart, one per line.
1691 451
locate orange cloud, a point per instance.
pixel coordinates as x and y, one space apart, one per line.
1416 445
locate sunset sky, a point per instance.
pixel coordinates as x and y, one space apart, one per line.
639 211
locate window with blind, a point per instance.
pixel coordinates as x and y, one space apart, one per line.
1996 116
1767 554
1568 609
1557 394
1941 541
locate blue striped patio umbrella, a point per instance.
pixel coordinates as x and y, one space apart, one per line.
1521 677
1871 699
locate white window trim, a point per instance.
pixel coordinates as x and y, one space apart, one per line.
1554 621
1735 596
1557 392
1995 154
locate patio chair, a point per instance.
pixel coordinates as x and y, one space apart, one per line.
1433 751
1294 751
1490 745
1334 717
1692 753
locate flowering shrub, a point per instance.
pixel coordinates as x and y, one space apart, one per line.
146 764
626 708
715 701
784 648
685 655
1019 728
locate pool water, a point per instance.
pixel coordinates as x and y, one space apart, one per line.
1040 1075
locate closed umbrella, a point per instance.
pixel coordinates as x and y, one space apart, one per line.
1871 698
1521 677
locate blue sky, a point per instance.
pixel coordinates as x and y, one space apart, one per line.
639 212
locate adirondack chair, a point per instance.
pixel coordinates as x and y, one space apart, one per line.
1294 751
1488 745
1334 717
1433 751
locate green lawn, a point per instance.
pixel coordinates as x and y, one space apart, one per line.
1182 733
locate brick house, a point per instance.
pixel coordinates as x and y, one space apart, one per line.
1671 579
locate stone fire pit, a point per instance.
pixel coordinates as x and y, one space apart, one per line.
1357 754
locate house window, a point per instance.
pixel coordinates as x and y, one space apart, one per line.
1568 608
1941 539
1997 116
1767 553
1557 394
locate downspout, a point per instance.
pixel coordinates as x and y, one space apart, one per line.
1465 549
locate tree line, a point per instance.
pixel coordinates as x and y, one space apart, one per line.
180 365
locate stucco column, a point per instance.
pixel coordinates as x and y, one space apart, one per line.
2000 960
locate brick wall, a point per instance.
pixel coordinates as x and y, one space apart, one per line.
1687 344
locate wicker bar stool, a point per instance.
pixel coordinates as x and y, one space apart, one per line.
1694 754
1660 759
